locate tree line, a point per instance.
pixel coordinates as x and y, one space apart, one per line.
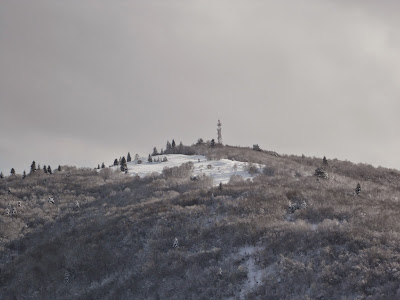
33 169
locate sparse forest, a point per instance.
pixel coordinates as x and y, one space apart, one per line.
291 233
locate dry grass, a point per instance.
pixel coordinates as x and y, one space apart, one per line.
118 243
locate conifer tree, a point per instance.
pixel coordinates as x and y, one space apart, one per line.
12 172
23 175
155 152
128 157
168 147
119 161
115 162
358 189
173 144
1 175
180 148
98 167
324 161
59 168
212 143
49 170
33 167
103 165
45 169
320 173
256 147
123 164
200 141
150 159
162 151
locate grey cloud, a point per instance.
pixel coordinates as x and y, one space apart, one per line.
316 77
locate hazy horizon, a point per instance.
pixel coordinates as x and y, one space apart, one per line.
84 82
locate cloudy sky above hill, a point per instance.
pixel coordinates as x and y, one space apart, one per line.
82 82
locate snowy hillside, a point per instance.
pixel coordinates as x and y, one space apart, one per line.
220 170
81 233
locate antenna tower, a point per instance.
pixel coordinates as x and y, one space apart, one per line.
219 132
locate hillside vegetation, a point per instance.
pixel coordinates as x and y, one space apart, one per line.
284 235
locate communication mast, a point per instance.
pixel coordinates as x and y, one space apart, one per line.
219 132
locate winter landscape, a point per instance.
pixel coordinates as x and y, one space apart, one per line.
199 149
220 223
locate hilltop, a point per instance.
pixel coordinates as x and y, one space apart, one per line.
272 231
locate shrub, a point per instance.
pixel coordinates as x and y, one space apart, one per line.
268 171
251 168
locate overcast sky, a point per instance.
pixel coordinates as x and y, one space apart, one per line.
82 82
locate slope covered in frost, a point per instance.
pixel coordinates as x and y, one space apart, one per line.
220 170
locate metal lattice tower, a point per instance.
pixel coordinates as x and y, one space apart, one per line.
219 132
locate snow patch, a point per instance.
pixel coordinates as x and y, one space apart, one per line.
254 274
220 170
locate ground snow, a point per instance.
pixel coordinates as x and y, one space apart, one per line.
254 273
221 170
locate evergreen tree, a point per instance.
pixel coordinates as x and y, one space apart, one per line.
98 167
168 147
324 161
49 170
12 172
103 165
59 168
45 169
38 167
128 157
155 152
162 151
212 143
180 148
173 144
23 175
33 167
256 147
320 172
150 159
1 175
358 189
123 164
115 162
200 141
119 161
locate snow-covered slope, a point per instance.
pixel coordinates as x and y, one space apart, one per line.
220 170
